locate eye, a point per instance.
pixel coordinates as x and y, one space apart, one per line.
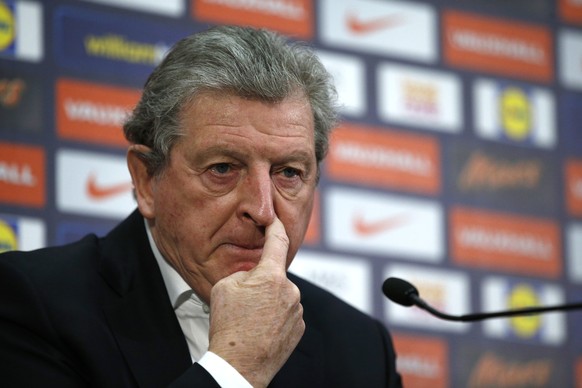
220 178
290 172
221 168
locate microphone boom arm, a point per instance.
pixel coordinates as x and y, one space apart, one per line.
404 293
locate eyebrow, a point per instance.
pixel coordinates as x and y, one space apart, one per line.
302 156
218 149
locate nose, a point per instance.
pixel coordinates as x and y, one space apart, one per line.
256 198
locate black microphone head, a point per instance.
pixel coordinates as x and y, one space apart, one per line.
399 291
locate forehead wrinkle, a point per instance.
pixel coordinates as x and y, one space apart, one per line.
290 133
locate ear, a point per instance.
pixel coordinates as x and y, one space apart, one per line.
142 180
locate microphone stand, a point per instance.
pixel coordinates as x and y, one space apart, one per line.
480 316
405 294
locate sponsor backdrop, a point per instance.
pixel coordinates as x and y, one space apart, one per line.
458 165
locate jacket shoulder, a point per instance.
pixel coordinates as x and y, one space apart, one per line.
50 259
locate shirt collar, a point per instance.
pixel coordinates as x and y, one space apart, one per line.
178 290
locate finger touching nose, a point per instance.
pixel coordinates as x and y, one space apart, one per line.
257 200
274 257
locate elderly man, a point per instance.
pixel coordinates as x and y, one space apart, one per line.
191 290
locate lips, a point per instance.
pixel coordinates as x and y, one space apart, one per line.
244 251
245 240
242 256
249 246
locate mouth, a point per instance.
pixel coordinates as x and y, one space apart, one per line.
243 257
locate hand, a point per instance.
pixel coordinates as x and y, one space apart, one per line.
256 318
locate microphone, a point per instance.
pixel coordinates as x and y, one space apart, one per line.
405 294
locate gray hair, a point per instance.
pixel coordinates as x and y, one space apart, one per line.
250 63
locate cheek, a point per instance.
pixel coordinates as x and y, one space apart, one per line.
296 221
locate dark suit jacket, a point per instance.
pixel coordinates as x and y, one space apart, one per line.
96 313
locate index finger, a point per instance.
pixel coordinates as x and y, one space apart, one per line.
276 246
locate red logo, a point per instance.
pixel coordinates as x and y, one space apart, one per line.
291 17
379 157
312 235
570 11
524 245
92 112
498 46
574 187
366 228
101 192
358 26
22 175
422 361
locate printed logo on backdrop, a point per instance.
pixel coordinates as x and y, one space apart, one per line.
22 175
396 29
422 361
167 7
93 184
93 112
349 77
384 225
427 99
570 119
498 46
574 251
509 294
21 233
68 232
570 55
347 278
383 158
313 233
480 365
573 186
8 235
570 11
443 289
21 103
110 44
510 176
514 114
21 35
503 242
291 17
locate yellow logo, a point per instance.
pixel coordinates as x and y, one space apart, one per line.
7 30
117 47
515 114
524 296
8 241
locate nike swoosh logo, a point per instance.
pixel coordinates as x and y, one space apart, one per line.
358 26
367 228
101 192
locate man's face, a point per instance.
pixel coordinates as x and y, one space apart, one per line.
240 164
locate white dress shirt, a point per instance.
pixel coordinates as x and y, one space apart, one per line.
194 318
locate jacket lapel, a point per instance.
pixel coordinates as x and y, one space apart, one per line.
138 309
306 363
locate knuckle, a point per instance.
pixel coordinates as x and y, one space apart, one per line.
295 292
301 326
